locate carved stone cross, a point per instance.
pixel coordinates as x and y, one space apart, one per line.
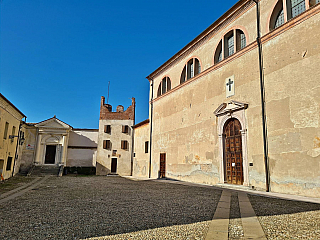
229 84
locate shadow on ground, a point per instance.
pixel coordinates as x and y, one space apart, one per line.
82 207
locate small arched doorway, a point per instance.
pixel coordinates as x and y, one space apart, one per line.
233 166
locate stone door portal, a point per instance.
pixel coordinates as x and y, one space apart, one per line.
162 165
50 157
233 152
114 165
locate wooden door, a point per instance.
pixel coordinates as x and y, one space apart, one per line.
50 157
233 152
162 165
113 165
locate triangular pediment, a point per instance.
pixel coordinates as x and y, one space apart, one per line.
53 123
230 107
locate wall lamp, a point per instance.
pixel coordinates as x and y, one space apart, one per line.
21 138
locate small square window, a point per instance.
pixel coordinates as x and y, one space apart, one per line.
107 144
125 129
9 163
107 129
6 131
13 133
124 145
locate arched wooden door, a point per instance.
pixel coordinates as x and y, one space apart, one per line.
233 152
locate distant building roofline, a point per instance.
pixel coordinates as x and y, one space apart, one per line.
12 105
141 123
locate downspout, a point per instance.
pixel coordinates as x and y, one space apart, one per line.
262 89
150 140
134 122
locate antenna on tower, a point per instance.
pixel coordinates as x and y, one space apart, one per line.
108 92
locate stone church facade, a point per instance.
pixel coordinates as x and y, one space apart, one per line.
206 109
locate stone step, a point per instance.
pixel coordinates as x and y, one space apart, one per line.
45 170
233 186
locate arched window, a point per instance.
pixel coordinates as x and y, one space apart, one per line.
233 41
293 9
277 17
190 70
164 86
218 54
241 40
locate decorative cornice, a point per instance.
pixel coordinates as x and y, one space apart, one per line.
232 106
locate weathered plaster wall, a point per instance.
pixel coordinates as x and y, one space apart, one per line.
8 146
104 156
82 148
141 158
185 127
293 107
28 151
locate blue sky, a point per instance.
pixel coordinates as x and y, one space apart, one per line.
56 57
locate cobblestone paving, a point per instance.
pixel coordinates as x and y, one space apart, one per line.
283 219
83 207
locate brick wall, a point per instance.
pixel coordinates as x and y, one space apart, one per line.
107 114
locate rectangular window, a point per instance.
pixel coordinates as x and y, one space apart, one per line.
13 133
230 42
125 129
146 147
107 144
107 129
297 7
5 135
124 145
9 163
242 40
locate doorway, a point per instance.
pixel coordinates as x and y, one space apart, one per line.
162 173
114 165
233 152
50 157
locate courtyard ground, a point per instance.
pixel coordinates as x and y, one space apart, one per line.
80 207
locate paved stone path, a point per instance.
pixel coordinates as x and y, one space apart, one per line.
5 197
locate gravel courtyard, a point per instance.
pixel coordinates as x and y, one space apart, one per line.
83 207
78 207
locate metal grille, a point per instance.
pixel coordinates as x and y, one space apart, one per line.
279 20
243 41
297 7
230 45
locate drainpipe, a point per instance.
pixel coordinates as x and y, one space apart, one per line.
263 108
132 146
151 113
